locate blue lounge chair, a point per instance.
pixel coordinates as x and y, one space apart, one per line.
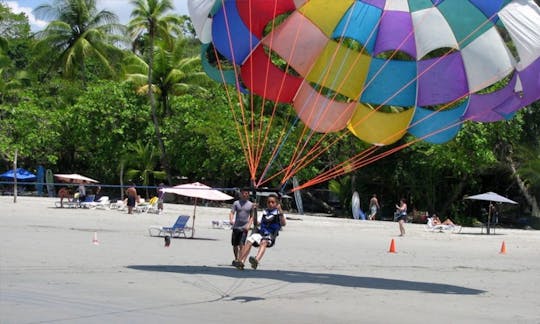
179 228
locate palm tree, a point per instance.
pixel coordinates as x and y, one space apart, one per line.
174 74
11 78
142 163
149 16
77 32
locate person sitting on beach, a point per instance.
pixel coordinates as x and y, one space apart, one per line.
97 194
437 221
271 222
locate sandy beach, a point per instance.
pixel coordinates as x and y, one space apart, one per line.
322 270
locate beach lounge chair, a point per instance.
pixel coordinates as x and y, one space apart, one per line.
88 201
148 207
223 224
68 203
179 228
101 203
119 205
441 227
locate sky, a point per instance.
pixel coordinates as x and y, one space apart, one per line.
120 7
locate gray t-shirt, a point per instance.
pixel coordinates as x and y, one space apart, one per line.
242 209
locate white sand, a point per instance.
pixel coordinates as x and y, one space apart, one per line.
322 270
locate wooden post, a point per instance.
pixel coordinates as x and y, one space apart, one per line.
15 177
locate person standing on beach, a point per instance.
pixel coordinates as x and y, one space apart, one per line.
82 192
64 193
271 222
241 218
131 198
401 211
373 207
161 195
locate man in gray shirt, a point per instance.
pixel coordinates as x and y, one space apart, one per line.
241 219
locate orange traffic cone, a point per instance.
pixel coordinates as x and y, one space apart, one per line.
95 240
503 248
392 247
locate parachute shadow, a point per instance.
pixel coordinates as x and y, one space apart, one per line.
316 278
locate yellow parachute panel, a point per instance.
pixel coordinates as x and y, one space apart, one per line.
326 14
377 127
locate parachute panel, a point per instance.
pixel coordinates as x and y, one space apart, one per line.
379 128
437 127
274 84
391 82
341 69
230 35
326 14
487 60
320 113
431 31
441 80
396 33
299 48
360 23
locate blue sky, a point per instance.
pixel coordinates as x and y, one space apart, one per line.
120 7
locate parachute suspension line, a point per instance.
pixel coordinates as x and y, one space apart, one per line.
242 139
252 107
275 153
355 163
279 145
360 160
248 148
263 139
307 138
317 146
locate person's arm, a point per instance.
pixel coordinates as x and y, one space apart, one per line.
231 217
282 218
252 215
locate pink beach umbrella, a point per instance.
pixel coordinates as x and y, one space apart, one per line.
74 178
197 190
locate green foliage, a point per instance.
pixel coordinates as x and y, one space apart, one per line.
89 125
77 31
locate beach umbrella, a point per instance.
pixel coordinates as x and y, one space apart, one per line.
19 174
197 190
74 178
491 197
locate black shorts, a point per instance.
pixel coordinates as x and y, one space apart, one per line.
401 217
238 237
131 201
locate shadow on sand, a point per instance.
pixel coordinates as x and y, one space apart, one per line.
316 278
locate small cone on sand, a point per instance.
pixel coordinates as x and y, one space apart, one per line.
95 240
392 247
503 248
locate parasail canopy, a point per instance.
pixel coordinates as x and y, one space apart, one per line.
436 63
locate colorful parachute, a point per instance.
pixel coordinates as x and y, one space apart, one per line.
458 50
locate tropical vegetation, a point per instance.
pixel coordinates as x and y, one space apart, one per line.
132 104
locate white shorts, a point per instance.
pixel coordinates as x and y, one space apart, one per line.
256 239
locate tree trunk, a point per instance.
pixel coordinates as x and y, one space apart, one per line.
454 195
535 210
161 144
